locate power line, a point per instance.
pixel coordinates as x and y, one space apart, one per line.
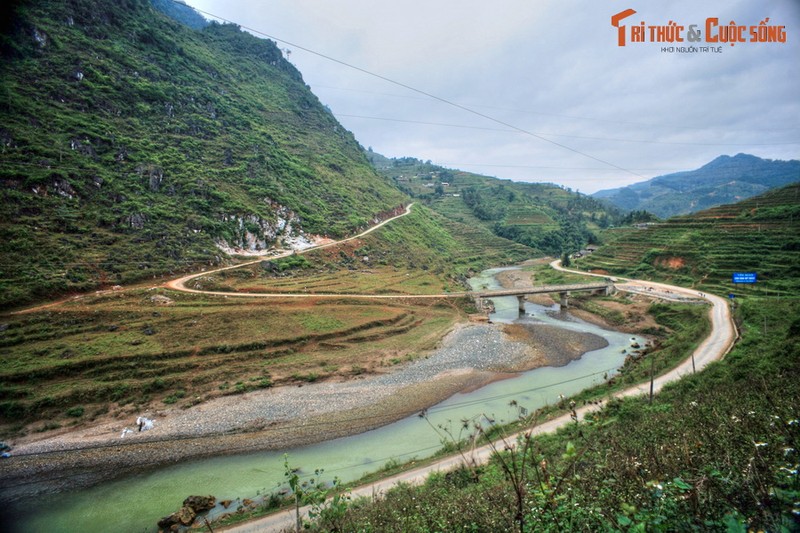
585 137
420 91
536 167
682 127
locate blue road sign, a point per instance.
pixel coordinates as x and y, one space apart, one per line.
745 277
731 296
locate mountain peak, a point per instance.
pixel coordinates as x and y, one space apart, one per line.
726 179
738 159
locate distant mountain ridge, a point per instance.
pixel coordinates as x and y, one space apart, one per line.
703 249
726 179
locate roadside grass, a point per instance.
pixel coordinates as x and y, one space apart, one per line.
717 450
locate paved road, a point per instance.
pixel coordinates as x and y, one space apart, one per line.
714 347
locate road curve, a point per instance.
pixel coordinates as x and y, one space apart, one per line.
714 347
180 283
718 343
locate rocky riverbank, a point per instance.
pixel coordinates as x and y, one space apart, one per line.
469 357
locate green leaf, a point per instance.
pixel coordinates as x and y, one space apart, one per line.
681 484
734 524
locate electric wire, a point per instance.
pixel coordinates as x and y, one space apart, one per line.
422 92
585 137
681 127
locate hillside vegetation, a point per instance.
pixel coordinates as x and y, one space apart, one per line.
421 253
119 352
724 180
716 451
133 145
539 215
761 234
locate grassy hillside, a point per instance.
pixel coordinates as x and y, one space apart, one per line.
703 250
724 180
119 352
132 145
422 253
539 215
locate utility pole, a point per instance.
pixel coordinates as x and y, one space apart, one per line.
652 370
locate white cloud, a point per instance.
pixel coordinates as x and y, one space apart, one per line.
549 67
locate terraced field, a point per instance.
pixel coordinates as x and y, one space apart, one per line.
136 347
760 234
116 352
528 215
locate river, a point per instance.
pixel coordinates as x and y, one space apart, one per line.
136 503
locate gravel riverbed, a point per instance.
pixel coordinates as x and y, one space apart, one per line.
470 356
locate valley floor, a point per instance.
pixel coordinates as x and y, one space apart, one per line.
283 416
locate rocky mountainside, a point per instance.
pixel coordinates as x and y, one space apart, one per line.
133 145
724 180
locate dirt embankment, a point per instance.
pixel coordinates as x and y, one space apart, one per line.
469 357
629 312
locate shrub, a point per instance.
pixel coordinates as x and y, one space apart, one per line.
76 411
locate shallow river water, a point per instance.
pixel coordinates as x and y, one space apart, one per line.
136 503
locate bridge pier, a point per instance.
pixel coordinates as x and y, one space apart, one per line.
563 291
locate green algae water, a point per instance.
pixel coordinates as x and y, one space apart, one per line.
136 503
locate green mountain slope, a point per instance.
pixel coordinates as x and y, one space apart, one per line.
133 145
543 216
724 180
759 234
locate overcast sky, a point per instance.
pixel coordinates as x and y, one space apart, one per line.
552 69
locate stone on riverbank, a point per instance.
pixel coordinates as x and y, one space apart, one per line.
200 503
192 506
183 517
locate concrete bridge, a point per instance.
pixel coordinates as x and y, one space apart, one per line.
563 291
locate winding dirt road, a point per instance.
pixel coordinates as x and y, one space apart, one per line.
713 348
180 283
